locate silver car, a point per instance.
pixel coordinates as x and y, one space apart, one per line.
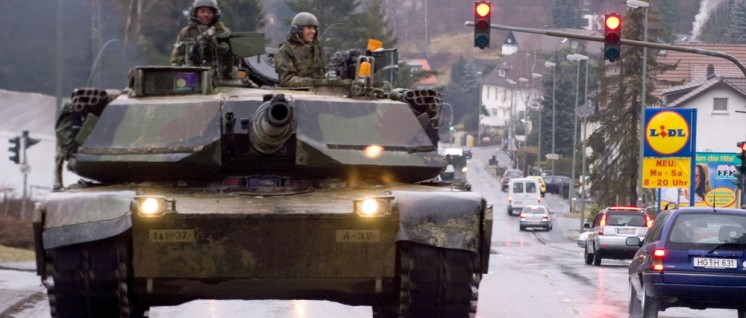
609 231
536 216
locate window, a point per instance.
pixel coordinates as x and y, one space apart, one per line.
720 104
530 187
518 187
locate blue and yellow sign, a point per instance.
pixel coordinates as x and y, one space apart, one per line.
668 133
669 148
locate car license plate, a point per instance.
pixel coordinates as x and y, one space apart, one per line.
626 231
717 263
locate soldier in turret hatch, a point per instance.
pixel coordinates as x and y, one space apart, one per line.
301 58
199 42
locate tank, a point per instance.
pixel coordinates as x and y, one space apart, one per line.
195 187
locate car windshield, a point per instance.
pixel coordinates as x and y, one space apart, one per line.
625 219
534 210
708 230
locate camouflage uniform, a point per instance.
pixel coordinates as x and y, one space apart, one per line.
298 63
190 33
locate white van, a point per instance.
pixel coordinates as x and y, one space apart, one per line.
522 192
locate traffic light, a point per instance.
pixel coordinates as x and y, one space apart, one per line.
482 14
740 170
29 141
15 149
612 37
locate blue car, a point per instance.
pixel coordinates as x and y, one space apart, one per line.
691 257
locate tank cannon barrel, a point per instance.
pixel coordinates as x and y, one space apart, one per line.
272 125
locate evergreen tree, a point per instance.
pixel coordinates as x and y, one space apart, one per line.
737 31
564 105
463 94
616 143
374 24
669 21
565 14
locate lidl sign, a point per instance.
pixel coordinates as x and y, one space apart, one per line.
668 133
669 147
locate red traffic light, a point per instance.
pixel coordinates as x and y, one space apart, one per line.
613 22
482 9
482 15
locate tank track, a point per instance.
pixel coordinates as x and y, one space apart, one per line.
90 280
434 283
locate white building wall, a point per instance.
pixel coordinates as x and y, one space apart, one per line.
719 131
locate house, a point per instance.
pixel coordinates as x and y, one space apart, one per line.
418 65
721 109
514 85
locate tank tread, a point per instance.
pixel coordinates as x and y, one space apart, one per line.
437 282
90 280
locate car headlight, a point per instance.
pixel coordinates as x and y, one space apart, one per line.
374 206
151 205
464 169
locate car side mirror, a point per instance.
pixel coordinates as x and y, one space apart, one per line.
586 226
633 241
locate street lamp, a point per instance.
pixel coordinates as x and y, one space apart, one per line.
554 101
642 4
479 107
538 153
575 58
582 147
511 131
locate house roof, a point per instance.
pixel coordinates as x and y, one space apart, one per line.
515 66
696 88
425 65
693 67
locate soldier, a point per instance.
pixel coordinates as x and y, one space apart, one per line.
200 37
300 58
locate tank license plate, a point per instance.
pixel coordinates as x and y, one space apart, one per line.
717 263
171 236
358 236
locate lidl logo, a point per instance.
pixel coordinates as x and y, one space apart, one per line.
667 132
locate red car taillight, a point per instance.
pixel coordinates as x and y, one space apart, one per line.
523 217
657 264
648 221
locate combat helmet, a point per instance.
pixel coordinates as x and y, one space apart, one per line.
304 18
299 21
204 3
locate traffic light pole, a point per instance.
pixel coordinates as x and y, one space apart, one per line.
653 45
644 44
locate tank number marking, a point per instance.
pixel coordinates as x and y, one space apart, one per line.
171 236
358 236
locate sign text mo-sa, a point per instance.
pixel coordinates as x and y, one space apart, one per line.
669 147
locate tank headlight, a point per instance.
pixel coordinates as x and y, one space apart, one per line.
153 205
374 206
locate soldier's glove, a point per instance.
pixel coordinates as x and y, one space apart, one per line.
223 48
